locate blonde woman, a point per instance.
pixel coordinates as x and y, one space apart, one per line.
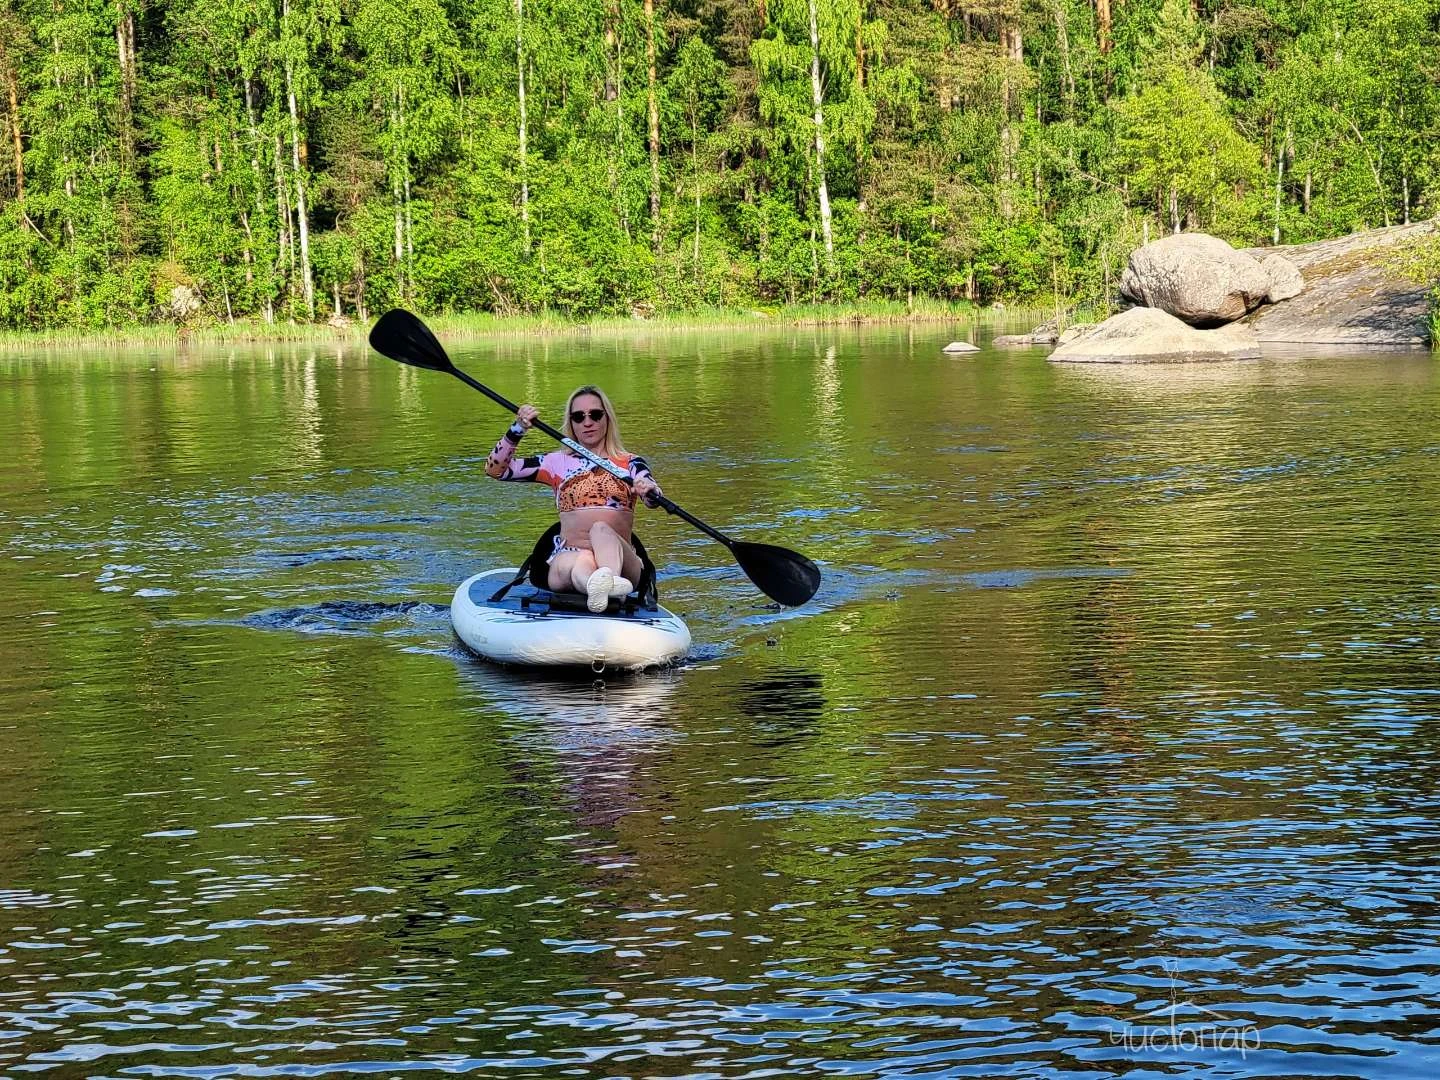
593 554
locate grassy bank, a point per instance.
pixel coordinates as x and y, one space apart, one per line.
485 324
1420 262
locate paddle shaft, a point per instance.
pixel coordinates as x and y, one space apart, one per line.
715 534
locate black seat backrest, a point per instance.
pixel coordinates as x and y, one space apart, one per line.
536 569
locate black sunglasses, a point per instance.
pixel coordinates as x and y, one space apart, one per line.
578 416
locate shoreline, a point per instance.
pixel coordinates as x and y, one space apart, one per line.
485 324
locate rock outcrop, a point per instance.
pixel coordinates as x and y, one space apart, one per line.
1352 295
1347 292
1149 335
184 302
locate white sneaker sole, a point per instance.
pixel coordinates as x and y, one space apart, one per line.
597 590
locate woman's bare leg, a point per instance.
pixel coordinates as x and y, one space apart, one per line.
581 570
571 570
614 553
633 566
608 547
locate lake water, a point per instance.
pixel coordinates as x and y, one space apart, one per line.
1109 747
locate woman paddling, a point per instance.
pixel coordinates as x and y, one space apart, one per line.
593 554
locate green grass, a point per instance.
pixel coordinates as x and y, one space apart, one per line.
1419 260
486 324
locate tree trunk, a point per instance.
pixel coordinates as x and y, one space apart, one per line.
125 52
860 49
1279 182
1010 101
615 156
695 173
269 308
817 99
285 241
360 308
395 191
861 206
302 216
1102 17
254 143
248 251
1062 42
12 93
622 202
69 184
520 93
654 109
409 229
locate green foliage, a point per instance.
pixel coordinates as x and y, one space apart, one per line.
347 155
1420 262
1183 155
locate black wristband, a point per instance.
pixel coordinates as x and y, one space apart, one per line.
515 432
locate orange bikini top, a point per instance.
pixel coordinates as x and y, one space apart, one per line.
578 485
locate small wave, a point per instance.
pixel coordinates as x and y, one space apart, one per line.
343 616
1013 579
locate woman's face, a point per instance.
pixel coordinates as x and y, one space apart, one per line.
588 433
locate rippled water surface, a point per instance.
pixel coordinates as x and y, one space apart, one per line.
1108 748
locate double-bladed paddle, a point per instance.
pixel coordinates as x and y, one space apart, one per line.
785 576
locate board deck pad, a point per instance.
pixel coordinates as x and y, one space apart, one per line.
542 603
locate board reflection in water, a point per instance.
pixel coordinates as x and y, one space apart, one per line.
595 734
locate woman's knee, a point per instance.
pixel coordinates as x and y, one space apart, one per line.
563 569
602 531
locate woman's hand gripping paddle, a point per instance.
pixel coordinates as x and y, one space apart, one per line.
785 576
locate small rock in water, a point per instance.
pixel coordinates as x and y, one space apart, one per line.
961 347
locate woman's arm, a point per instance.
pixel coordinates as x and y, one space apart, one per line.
502 463
645 486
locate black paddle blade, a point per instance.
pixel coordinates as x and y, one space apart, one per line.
787 577
402 336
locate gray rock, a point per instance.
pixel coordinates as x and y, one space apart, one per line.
1286 281
1044 334
184 301
1036 338
1352 295
1075 333
1149 335
1197 278
961 347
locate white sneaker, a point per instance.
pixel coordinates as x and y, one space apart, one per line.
621 588
597 590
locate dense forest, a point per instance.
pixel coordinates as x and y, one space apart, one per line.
295 159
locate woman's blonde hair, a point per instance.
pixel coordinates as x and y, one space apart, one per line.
612 446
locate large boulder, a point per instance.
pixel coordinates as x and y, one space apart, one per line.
184 302
1286 281
1197 278
1148 335
1353 294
